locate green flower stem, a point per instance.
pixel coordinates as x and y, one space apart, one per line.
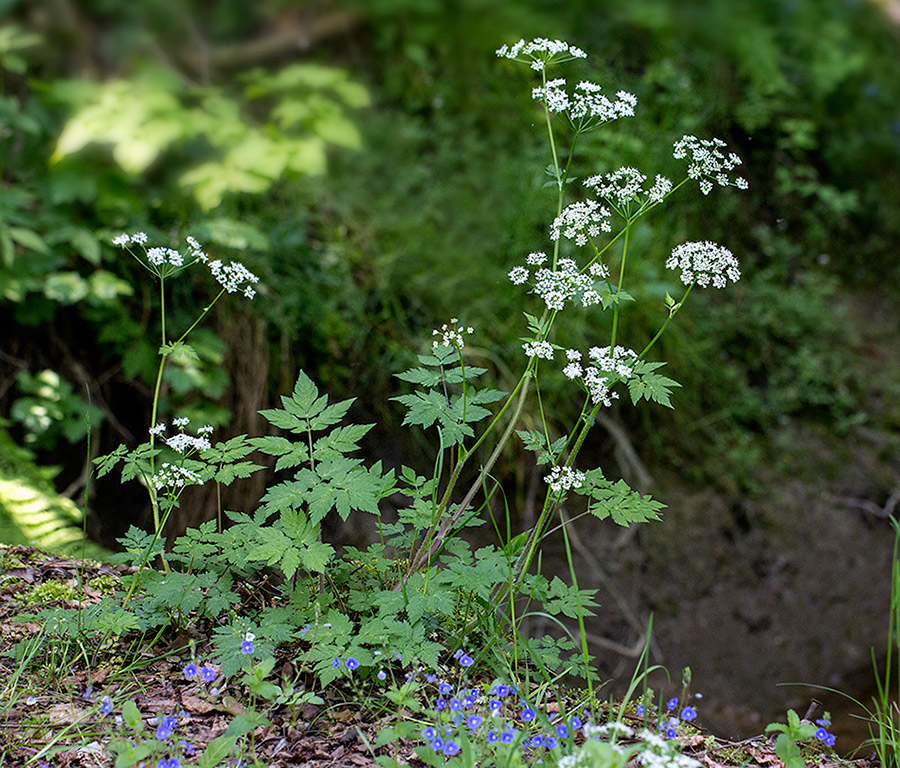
615 323
672 313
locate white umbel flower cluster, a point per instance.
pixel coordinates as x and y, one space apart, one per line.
451 334
580 221
625 186
565 283
708 164
586 107
541 349
564 478
173 476
619 360
605 369
234 277
704 263
540 52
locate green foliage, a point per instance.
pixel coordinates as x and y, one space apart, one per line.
786 745
617 500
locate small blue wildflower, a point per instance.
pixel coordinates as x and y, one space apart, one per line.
474 693
575 722
457 653
528 714
213 692
162 733
455 705
382 675
429 733
106 706
688 713
493 738
550 743
829 741
640 710
821 734
500 690
304 630
444 689
429 678
170 722
437 744
823 721
495 706
190 670
336 663
473 721
466 661
246 647
440 703
119 721
451 748
186 746
562 731
469 701
537 741
208 673
507 737
671 732
673 703
351 664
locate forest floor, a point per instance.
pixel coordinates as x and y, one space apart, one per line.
49 714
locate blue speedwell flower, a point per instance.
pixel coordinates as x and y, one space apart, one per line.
351 664
528 714
688 713
247 645
190 670
106 706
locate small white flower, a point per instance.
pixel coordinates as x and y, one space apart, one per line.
707 163
573 354
540 52
541 349
518 275
181 421
122 240
580 221
536 259
249 292
172 476
451 336
156 256
704 263
563 479
573 371
158 429
205 430
139 237
249 637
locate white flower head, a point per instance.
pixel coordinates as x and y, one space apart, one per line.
564 478
158 429
181 422
232 277
541 349
173 476
565 283
451 334
586 107
580 221
519 275
122 239
536 259
704 263
540 52
708 164
619 360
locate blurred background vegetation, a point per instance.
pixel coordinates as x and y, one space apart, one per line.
381 170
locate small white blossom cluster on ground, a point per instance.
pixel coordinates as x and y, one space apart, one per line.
650 750
452 334
581 220
619 361
704 262
541 349
586 107
626 185
708 164
540 52
182 442
564 478
565 283
173 476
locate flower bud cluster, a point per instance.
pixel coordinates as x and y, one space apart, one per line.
705 263
708 164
